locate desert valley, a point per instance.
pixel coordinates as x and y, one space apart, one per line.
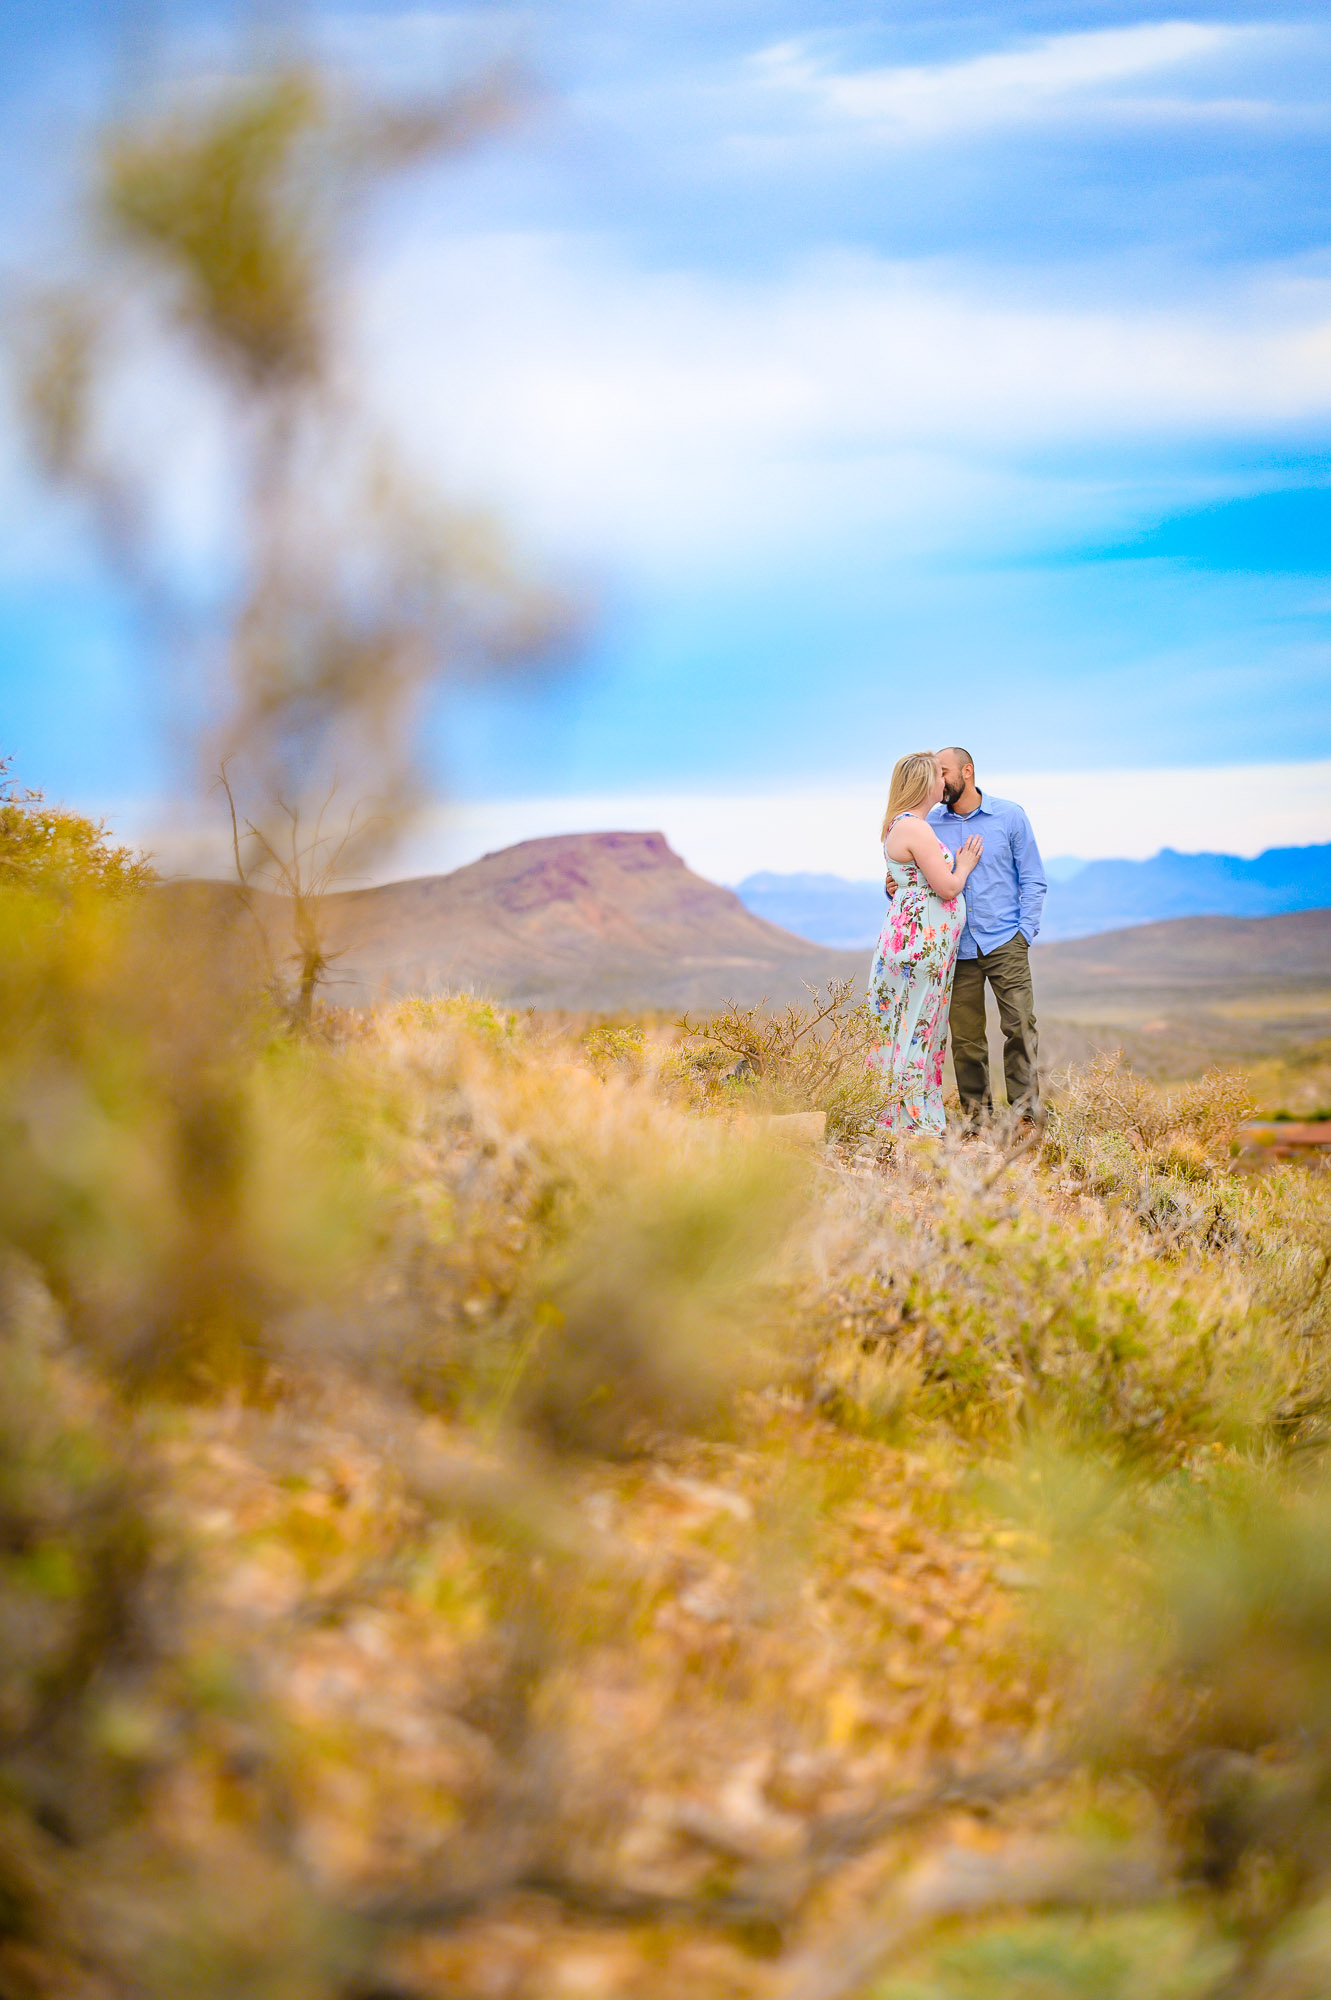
606 923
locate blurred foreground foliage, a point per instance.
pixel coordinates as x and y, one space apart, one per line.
325 591
518 1526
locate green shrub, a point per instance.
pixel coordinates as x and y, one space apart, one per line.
615 1047
60 853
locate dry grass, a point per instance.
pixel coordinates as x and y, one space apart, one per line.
531 1536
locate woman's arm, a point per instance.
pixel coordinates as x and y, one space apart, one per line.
946 877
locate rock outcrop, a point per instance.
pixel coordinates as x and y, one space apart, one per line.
591 920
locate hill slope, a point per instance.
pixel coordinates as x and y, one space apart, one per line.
1179 995
594 920
1239 956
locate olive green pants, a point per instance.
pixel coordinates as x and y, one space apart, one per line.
1008 970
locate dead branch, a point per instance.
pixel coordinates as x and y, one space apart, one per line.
1045 1871
770 1894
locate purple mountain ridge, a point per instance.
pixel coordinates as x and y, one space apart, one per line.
1099 896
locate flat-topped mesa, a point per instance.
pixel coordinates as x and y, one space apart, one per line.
630 851
608 919
567 867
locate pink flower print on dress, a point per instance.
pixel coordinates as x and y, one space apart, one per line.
910 994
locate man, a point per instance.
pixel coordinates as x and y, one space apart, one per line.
1004 898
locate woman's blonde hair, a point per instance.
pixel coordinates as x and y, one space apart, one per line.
912 781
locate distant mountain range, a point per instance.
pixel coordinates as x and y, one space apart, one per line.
1110 895
1084 898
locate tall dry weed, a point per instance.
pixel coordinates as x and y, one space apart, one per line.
812 1058
1105 1113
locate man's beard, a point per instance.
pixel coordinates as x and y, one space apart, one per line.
951 793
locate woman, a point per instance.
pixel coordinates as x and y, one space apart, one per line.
910 987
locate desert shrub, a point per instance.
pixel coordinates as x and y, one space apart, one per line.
976 1305
496 1028
798 1059
872 1386
72 1538
560 1251
1108 1126
1163 1154
1287 1251
615 1047
167 1165
1210 1107
1162 1952
106 1698
645 1317
61 853
1200 1615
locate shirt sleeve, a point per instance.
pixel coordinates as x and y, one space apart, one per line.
1031 884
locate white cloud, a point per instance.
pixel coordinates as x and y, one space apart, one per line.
652 421
833 828
655 417
1057 75
829 827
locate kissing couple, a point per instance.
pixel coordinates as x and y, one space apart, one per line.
966 886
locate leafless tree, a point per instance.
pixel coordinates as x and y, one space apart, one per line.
300 873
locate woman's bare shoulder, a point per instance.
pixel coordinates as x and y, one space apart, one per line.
911 833
901 836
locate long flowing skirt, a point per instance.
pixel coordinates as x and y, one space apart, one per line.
910 997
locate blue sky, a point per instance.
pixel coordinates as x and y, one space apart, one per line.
882 376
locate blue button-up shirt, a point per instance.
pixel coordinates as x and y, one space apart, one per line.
1005 893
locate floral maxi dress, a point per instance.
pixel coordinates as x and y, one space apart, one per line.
910 996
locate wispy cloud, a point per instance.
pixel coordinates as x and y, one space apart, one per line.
660 417
727 835
1055 76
